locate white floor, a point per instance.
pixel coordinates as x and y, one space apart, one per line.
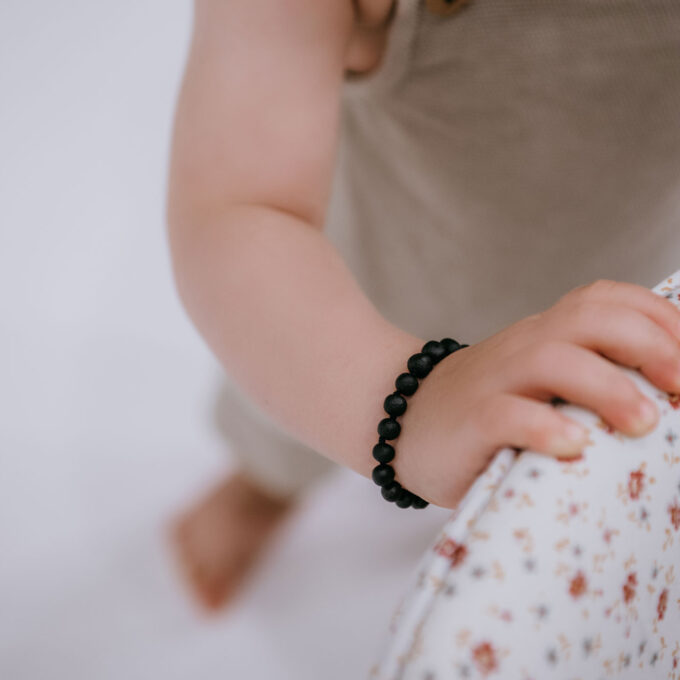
105 388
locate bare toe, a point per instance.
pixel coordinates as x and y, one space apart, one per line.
217 541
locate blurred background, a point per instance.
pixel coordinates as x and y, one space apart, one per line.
105 391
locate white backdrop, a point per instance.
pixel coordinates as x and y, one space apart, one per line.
105 389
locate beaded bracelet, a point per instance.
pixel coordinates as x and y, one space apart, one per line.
419 366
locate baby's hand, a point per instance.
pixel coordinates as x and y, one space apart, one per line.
496 393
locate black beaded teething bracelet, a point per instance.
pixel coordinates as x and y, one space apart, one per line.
419 366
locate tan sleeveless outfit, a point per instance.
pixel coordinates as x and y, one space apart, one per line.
498 157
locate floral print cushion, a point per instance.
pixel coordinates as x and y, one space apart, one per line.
551 569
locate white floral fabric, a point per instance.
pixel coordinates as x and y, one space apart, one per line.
551 569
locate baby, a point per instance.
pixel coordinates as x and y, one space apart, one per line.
351 179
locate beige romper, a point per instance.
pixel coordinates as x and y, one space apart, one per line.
500 156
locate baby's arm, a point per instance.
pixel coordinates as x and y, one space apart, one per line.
253 157
252 160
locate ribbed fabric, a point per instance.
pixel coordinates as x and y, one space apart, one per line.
531 144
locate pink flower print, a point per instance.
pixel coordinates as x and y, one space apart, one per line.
570 459
629 587
636 482
454 551
662 604
674 512
485 659
578 585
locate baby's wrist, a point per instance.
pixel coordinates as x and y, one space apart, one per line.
382 359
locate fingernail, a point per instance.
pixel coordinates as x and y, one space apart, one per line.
648 412
647 415
575 434
570 440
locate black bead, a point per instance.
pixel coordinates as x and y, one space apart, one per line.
435 350
383 453
389 428
419 502
419 364
406 383
394 404
405 499
383 474
391 491
450 345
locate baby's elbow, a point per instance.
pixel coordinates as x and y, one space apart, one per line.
181 228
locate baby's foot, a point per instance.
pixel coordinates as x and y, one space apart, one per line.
218 540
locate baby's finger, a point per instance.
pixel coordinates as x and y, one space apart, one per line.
655 306
583 377
629 337
521 422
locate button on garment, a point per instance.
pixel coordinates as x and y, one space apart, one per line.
445 7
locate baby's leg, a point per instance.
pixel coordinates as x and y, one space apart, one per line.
277 463
220 538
